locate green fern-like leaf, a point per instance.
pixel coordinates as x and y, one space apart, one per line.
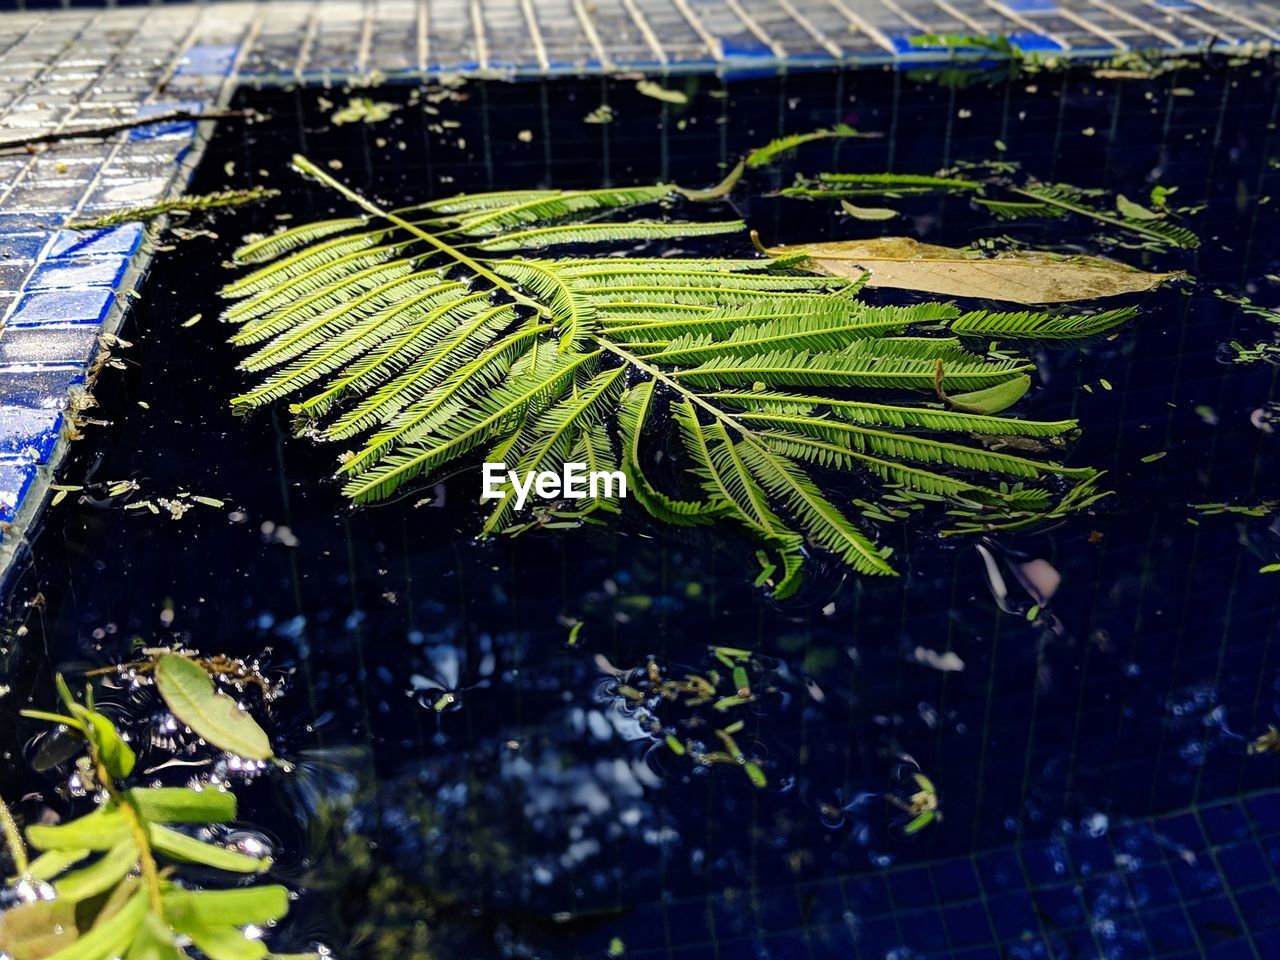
1069 199
1044 326
770 152
764 387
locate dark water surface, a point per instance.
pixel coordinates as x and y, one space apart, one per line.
537 819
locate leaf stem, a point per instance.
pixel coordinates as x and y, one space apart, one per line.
137 827
305 166
680 388
13 839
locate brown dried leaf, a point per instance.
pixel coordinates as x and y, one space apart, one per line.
1029 276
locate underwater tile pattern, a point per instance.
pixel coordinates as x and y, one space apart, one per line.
1201 883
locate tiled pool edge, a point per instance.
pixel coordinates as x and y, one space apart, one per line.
82 292
37 477
80 283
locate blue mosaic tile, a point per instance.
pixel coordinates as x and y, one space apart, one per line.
1264 808
28 432
778 913
43 389
867 896
22 246
1013 914
15 478
63 306
649 930
911 888
1267 942
1137 842
823 902
1183 831
168 128
12 222
1229 950
1196 878
783 947
1030 950
967 925
1225 822
1153 886
47 344
1168 930
902 43
730 919
1260 908
1090 855
1215 920
1244 865
955 880
1046 861
208 60
1061 905
1035 43
1032 6
877 937
923 931
1000 870
121 240
77 274
835 940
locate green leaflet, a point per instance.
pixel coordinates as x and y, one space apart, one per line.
179 846
184 804
634 413
108 938
100 830
770 152
776 375
992 399
540 237
236 908
819 517
1044 326
189 692
224 943
49 865
112 867
117 756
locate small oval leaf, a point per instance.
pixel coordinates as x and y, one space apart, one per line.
100 876
100 830
992 399
184 805
179 846
189 692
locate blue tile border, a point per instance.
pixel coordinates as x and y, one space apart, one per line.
15 478
61 306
